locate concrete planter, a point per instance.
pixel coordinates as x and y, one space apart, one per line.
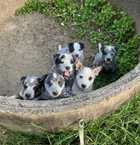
53 115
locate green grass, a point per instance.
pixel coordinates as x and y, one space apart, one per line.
120 128
116 28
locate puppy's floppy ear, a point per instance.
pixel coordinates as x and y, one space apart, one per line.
97 70
82 46
78 65
71 47
22 79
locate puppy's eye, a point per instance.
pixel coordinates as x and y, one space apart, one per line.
49 83
80 77
90 78
72 62
62 56
25 86
60 83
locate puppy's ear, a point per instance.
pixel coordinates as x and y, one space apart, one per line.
96 70
71 47
82 46
56 55
42 78
59 47
114 50
56 58
78 65
22 79
100 47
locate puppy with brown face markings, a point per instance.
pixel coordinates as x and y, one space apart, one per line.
84 78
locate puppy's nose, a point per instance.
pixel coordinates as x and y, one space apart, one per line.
27 96
67 68
77 55
55 93
83 86
108 59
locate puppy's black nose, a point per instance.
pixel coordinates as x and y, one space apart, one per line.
67 68
27 96
108 59
83 86
55 93
77 55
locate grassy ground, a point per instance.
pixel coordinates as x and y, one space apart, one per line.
120 128
87 18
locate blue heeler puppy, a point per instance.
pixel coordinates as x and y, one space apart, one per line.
48 86
54 86
64 65
74 48
31 87
106 57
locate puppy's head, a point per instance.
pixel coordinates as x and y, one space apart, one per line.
76 49
86 76
31 87
109 53
64 62
54 84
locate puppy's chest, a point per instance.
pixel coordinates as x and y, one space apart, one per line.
69 81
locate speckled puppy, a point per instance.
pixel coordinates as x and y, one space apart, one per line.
74 48
31 87
64 65
106 57
54 86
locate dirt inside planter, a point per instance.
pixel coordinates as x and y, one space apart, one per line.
27 45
